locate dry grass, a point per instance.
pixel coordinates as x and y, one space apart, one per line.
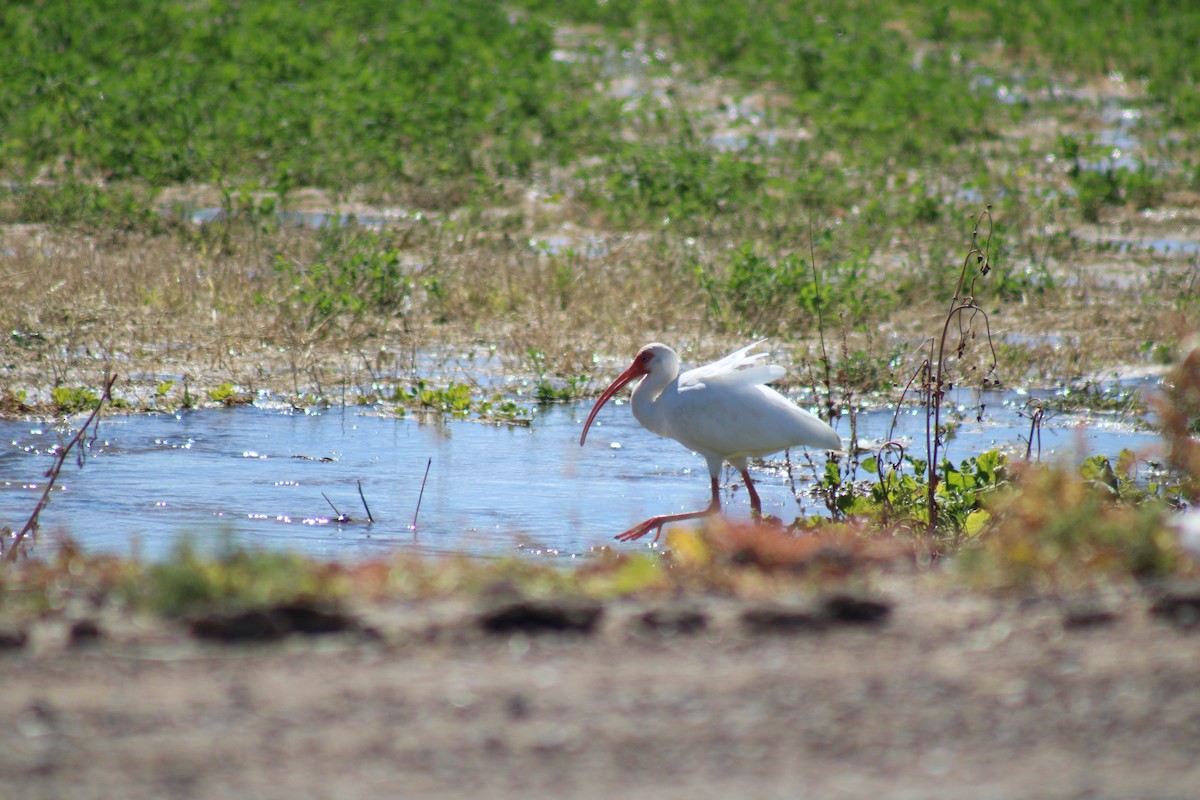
179 307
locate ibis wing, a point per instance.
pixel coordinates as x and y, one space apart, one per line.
738 368
735 421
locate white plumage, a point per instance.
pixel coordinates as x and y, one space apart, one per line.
723 410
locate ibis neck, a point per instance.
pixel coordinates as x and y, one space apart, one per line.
649 401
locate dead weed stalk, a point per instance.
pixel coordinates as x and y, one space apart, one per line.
934 376
31 524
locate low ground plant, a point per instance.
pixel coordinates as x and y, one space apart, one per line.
458 401
353 274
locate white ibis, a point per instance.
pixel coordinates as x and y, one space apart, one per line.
723 411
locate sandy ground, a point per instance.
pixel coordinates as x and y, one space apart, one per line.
952 696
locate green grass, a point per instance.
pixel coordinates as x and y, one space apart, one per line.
686 183
319 93
1141 40
882 112
73 203
328 95
758 295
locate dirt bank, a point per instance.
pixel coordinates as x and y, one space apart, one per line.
952 695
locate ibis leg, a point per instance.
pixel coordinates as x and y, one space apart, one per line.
755 502
656 523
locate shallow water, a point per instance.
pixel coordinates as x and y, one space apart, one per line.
257 476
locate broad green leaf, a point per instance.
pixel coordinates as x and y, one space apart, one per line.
976 522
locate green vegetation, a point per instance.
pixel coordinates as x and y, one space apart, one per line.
859 72
71 401
354 272
1097 185
1133 39
442 101
227 395
285 95
685 183
559 387
901 495
764 296
459 401
75 203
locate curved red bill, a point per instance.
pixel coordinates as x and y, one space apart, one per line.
636 370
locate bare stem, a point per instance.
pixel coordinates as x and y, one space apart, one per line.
428 464
31 524
366 507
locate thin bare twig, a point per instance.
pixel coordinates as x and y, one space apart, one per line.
884 468
812 255
31 524
1037 415
428 464
939 381
934 374
363 497
340 516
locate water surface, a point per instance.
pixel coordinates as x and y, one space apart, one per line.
257 475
